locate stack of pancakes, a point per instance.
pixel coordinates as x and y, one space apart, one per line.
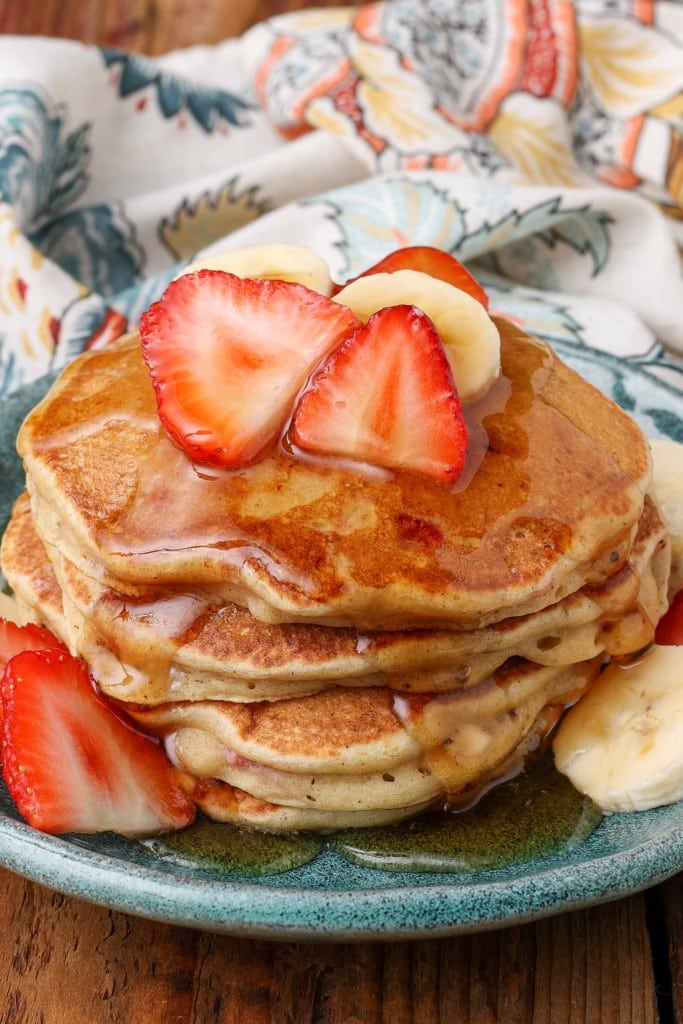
321 644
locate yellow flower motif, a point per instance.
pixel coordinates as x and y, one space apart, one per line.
397 105
194 225
44 333
34 293
322 113
15 291
532 135
630 68
671 110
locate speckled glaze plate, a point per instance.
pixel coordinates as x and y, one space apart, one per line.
331 898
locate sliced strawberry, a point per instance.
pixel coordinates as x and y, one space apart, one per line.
14 639
228 356
386 396
31 637
434 262
73 763
670 629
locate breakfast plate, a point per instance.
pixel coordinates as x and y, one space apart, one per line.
325 895
330 898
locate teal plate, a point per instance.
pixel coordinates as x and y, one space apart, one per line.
330 898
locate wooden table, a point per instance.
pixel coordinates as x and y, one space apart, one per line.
63 961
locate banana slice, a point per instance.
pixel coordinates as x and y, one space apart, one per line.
667 490
295 263
622 744
468 333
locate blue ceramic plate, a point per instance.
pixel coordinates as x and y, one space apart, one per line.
329 897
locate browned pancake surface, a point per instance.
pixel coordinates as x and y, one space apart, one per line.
553 487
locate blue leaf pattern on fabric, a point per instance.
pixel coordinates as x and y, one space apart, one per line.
7 370
81 322
541 317
521 240
386 214
42 169
96 245
650 401
133 302
174 94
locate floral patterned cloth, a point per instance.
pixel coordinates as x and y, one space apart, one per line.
540 141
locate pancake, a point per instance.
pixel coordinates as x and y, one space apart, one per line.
227 803
346 751
343 757
175 646
548 503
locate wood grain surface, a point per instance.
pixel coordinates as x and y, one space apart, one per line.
67 962
147 26
63 961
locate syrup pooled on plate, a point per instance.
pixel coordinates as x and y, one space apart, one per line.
535 815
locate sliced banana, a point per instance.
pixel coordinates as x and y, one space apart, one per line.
622 744
667 490
277 262
469 336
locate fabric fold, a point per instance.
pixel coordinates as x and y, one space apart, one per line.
538 141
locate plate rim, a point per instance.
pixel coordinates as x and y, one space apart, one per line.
247 909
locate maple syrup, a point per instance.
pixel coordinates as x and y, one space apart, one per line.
535 815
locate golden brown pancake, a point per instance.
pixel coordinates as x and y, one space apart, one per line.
340 757
549 501
171 646
349 751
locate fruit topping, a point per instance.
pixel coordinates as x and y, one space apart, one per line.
622 744
387 397
434 262
228 356
14 639
73 763
277 262
469 335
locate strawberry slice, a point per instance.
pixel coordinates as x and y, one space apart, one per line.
72 763
228 356
14 639
669 632
434 262
31 637
386 396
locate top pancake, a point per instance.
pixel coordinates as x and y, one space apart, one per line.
548 501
